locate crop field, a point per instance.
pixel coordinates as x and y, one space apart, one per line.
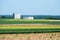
25 21
28 26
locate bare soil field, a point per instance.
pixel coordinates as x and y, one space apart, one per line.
31 36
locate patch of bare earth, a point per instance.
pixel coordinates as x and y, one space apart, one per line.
27 25
31 36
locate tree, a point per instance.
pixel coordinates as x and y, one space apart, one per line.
3 16
50 18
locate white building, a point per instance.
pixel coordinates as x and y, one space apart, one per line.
17 15
28 17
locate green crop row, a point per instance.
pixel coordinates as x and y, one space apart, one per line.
14 31
22 21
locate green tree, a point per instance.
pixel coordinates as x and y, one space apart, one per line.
3 16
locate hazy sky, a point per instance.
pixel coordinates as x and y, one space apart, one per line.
30 7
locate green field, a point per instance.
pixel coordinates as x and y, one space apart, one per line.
25 21
14 30
28 29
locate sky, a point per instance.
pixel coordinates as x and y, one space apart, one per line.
30 7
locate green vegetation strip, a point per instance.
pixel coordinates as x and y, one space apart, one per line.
14 30
24 21
28 27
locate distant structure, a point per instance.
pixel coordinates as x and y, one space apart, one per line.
17 16
29 17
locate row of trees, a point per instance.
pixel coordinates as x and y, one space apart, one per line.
4 17
53 18
44 18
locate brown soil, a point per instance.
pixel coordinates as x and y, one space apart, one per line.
27 25
31 36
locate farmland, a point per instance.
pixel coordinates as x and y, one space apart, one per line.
25 21
28 26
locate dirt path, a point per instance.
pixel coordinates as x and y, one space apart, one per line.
25 25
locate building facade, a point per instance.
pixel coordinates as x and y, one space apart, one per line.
17 16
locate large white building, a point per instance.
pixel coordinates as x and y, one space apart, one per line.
17 15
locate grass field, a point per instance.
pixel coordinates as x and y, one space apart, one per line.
25 21
27 26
